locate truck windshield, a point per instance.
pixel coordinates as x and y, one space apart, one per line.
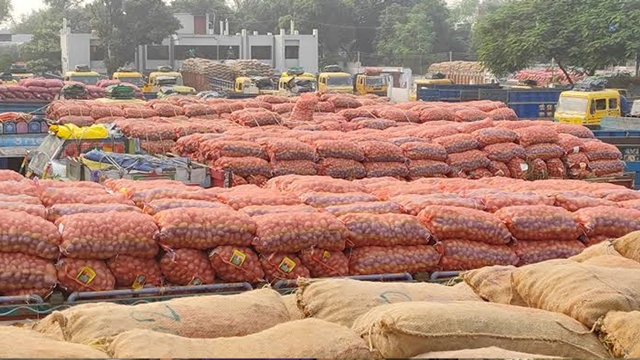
87 80
376 81
132 80
570 104
167 81
339 81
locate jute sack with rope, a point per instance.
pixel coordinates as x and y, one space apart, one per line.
603 248
27 344
493 284
620 332
629 246
291 303
584 292
197 317
309 338
483 353
612 261
408 329
342 301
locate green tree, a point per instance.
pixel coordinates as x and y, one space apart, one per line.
5 9
123 25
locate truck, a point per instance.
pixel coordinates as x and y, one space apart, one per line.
129 76
22 129
334 80
165 77
296 81
83 74
371 81
241 87
462 72
588 107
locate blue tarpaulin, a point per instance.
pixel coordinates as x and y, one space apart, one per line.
146 163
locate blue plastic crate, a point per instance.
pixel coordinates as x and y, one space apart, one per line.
533 110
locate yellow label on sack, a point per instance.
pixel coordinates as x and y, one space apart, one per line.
86 275
237 258
287 265
140 281
325 255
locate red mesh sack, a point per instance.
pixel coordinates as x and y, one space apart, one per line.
323 264
381 151
283 108
385 230
243 198
398 115
607 167
544 151
556 169
540 222
518 168
344 102
531 252
76 120
293 232
35 210
467 115
427 168
10 175
498 168
503 114
84 275
424 151
24 187
139 112
436 114
245 166
203 228
187 267
393 260
375 207
570 143
608 221
533 135
103 236
283 267
413 204
289 149
297 167
340 149
629 204
23 272
325 107
24 199
491 136
59 210
433 132
379 124
579 131
457 143
470 127
156 206
383 169
575 203
99 112
449 222
324 199
168 110
616 194
301 185
577 161
504 152
28 234
460 255
467 161
258 210
252 118
136 273
273 99
598 150
341 168
236 264
54 196
45 184
216 148
304 108
496 201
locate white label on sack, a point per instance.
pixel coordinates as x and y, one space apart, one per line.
60 228
576 149
524 167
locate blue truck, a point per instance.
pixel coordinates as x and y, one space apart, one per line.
624 133
20 137
527 103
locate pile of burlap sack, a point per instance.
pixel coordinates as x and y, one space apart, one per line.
584 307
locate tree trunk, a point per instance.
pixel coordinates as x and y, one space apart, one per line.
637 63
564 71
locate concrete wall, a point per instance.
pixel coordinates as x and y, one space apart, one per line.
75 50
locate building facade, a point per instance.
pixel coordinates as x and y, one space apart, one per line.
199 37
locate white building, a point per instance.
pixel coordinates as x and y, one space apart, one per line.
282 51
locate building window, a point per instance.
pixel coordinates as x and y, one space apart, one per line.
96 53
157 52
261 52
292 52
229 52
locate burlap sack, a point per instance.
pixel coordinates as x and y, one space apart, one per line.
464 288
493 284
309 338
484 353
342 301
408 329
620 332
197 317
581 291
613 261
629 246
603 248
291 302
19 343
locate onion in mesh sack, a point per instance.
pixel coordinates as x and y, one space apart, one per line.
457 143
608 221
340 149
28 234
448 222
23 272
136 273
385 230
187 267
540 222
373 260
531 252
282 266
322 263
84 275
468 255
491 136
341 168
533 135
236 264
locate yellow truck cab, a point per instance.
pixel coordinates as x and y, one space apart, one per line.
305 81
587 107
419 83
19 72
335 82
371 82
83 74
165 77
129 76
